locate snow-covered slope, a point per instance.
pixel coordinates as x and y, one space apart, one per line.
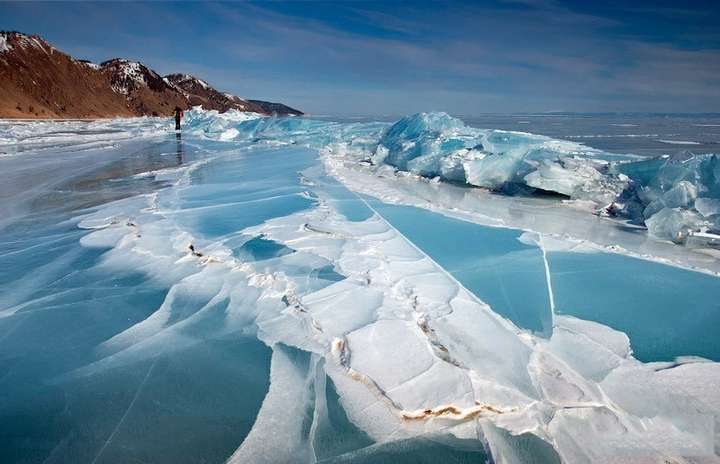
146 92
199 92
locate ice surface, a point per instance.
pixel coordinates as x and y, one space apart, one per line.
280 434
490 262
155 289
647 301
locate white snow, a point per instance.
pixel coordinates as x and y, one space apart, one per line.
202 83
92 65
193 79
234 97
130 72
27 41
4 44
679 142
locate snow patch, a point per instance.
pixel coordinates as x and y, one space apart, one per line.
129 75
4 44
234 98
91 65
679 142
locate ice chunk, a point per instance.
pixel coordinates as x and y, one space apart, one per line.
575 178
201 121
672 183
328 307
681 195
508 448
674 224
435 144
600 434
560 384
418 143
466 322
707 206
495 170
229 134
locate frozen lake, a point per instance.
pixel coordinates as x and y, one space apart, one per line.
271 290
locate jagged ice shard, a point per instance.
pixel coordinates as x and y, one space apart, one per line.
293 290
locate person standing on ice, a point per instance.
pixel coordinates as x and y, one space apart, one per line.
178 117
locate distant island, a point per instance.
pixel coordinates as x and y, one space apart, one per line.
38 81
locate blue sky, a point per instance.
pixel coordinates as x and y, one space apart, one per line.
394 58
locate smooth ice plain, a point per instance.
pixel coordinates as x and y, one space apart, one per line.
268 290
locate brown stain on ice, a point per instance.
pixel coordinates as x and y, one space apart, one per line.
451 411
438 348
341 352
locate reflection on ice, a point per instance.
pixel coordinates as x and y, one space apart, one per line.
666 312
214 203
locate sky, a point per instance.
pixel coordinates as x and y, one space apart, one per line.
400 57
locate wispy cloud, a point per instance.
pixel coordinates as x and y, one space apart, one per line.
512 55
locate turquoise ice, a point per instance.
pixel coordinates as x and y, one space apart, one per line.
256 291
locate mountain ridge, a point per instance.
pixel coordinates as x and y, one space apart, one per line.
39 81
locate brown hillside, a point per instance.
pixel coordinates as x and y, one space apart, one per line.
39 81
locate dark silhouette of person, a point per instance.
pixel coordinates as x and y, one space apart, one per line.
178 117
